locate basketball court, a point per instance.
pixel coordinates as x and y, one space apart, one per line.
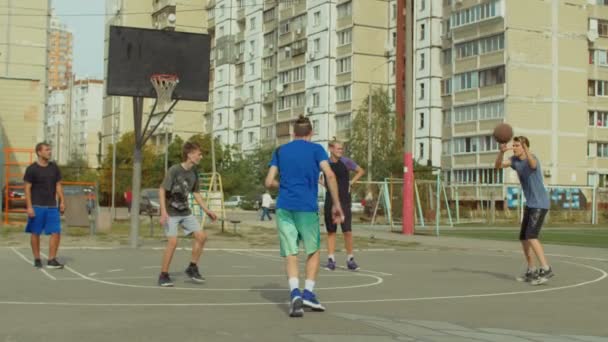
423 294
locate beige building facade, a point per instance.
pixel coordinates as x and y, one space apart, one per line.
23 51
540 66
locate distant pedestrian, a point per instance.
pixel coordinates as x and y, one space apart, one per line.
266 202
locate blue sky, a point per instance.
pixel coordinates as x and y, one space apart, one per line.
88 34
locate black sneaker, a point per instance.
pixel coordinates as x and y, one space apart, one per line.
542 276
38 263
53 263
164 280
192 272
528 277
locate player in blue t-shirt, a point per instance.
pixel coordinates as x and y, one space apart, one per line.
298 164
530 176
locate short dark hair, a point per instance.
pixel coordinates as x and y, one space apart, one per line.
40 145
302 127
522 140
188 147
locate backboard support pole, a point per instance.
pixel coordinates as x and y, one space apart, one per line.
140 141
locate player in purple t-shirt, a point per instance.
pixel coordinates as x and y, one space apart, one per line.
341 166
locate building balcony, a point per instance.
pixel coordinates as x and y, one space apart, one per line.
267 142
238 103
268 73
240 36
238 124
240 14
211 23
269 97
210 4
268 119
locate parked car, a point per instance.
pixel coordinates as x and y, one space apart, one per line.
16 195
234 201
150 203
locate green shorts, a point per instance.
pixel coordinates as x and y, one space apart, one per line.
296 226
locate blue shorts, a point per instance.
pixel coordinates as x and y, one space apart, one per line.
47 220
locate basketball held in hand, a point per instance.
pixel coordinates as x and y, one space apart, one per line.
503 133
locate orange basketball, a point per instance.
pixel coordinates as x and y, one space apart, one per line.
503 133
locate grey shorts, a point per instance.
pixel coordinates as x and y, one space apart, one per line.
190 224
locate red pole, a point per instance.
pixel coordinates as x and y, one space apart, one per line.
404 106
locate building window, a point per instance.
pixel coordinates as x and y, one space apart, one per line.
251 137
315 126
252 68
420 151
491 44
250 114
465 81
269 15
219 118
315 99
465 113
447 117
345 37
421 94
316 71
251 92
490 77
446 87
421 121
252 23
446 56
422 5
602 150
343 65
394 11
284 27
598 119
343 93
476 13
422 32
345 10
422 61
602 28
316 19
598 88
316 45
343 122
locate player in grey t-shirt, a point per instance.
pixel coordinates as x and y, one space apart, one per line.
530 176
180 181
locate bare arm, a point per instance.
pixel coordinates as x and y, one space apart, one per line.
271 181
530 157
28 199
500 163
59 190
162 201
199 199
359 172
332 184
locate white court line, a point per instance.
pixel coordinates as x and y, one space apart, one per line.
603 275
115 270
362 301
31 263
217 276
100 281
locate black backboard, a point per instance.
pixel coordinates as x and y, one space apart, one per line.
135 54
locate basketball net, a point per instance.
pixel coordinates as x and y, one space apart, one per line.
164 84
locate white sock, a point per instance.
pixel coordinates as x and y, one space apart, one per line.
294 283
309 285
332 257
546 268
350 256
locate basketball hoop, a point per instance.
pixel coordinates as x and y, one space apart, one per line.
164 84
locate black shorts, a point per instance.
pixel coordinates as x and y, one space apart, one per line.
532 223
346 225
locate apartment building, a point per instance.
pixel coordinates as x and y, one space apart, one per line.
539 66
60 52
86 117
23 51
275 60
187 117
58 127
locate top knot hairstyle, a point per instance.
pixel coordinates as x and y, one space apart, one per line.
334 141
302 127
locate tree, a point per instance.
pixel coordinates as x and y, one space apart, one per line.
151 177
77 170
386 156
